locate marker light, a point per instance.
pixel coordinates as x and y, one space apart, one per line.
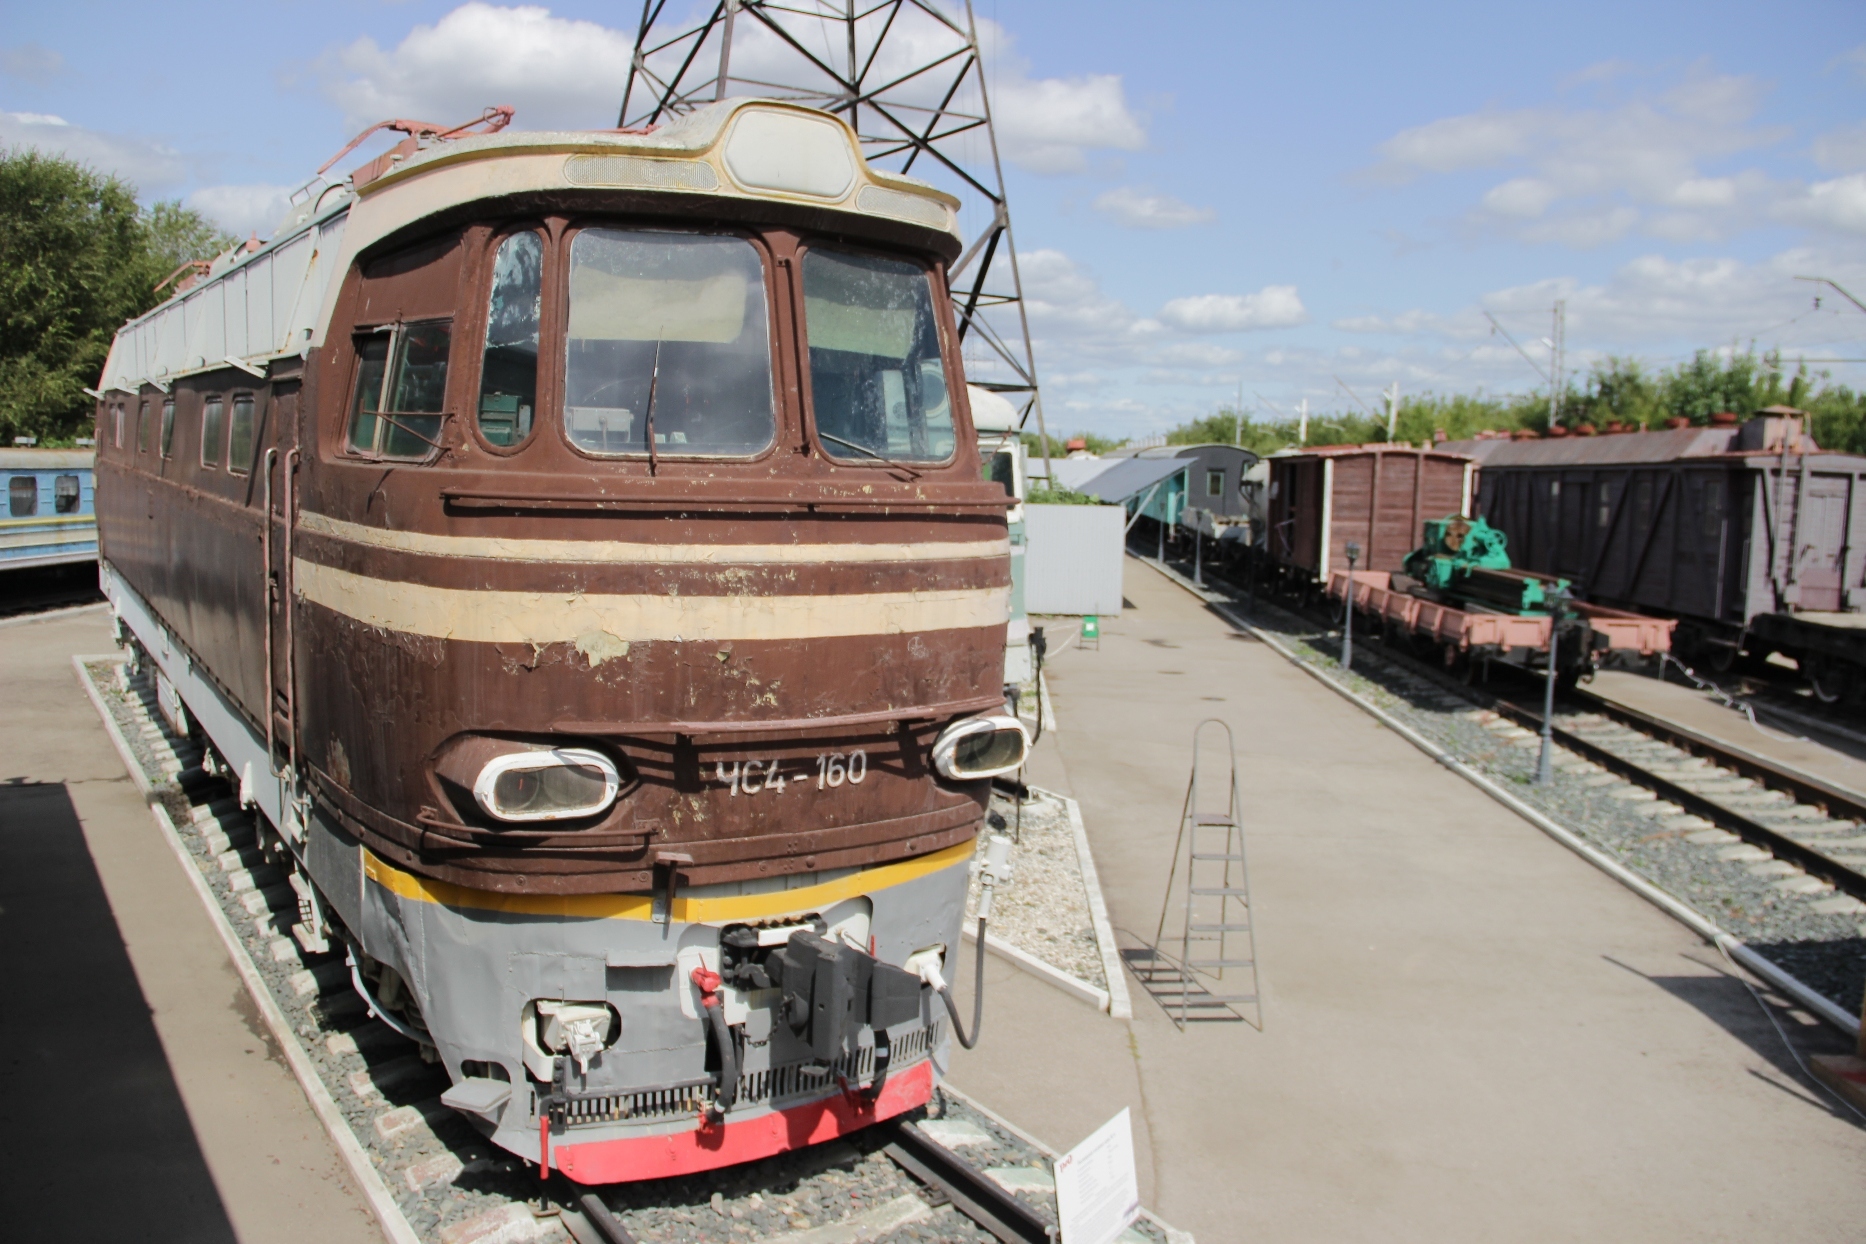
556 785
980 747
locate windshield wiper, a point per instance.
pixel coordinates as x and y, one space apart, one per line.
863 449
654 378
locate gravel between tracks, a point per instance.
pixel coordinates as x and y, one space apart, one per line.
1043 910
1825 950
454 1187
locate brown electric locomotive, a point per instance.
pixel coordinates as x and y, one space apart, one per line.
574 545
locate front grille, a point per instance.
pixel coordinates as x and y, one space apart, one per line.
774 1084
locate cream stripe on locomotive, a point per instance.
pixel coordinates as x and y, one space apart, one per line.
547 618
501 548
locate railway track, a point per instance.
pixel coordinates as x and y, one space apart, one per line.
1814 827
1768 855
953 1172
1799 820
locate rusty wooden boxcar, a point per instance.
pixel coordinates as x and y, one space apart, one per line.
1751 536
1377 496
574 545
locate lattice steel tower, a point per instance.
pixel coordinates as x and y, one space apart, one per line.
909 78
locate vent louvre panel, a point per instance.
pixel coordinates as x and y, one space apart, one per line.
640 172
773 1084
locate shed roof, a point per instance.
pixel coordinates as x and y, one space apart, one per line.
1127 478
1075 472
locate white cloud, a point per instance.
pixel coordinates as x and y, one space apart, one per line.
242 209
568 73
1842 150
1839 204
1138 207
1049 125
1656 302
31 64
1587 176
1408 323
1584 230
152 167
1527 197
1197 354
557 72
1273 306
1479 140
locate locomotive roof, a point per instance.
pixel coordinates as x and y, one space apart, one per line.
275 300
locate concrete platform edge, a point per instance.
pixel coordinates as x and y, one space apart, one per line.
1120 1006
394 1224
1074 986
1734 946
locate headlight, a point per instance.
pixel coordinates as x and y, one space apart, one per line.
980 747
556 785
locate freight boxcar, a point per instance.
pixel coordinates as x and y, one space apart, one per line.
1377 496
1749 535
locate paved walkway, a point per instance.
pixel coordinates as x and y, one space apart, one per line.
1472 1034
142 1096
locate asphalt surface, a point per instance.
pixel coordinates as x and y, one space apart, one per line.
1471 1034
141 1094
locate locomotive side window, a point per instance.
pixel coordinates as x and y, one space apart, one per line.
508 383
401 385
669 337
168 428
143 420
116 414
213 430
240 437
22 496
65 494
877 378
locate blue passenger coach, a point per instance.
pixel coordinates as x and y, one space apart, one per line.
50 518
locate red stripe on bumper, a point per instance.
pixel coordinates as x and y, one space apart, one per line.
705 1149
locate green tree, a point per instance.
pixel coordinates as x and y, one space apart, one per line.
78 257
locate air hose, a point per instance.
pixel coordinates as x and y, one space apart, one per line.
996 868
708 983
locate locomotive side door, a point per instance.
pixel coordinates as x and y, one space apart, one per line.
281 492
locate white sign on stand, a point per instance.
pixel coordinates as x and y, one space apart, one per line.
1097 1192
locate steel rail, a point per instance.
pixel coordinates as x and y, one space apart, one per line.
971 1191
1837 801
1843 877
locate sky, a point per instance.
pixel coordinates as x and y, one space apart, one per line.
1290 202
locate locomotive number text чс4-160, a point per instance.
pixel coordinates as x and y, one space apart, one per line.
749 777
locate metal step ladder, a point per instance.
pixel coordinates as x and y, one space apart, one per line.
1214 973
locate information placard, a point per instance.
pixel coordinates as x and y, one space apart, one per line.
1097 1192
